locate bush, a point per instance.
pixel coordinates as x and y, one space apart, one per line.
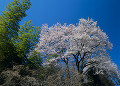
18 76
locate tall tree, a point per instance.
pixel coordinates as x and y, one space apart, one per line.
82 42
15 40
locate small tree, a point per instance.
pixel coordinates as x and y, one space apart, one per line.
102 70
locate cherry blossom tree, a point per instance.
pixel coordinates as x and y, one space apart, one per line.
82 41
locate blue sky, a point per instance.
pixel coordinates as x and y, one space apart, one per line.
105 12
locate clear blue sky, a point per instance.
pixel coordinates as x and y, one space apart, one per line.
105 12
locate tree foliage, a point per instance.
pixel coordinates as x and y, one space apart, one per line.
16 41
34 60
26 40
9 25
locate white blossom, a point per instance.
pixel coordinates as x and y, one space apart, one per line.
85 42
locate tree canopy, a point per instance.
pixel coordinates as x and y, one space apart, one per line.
85 42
